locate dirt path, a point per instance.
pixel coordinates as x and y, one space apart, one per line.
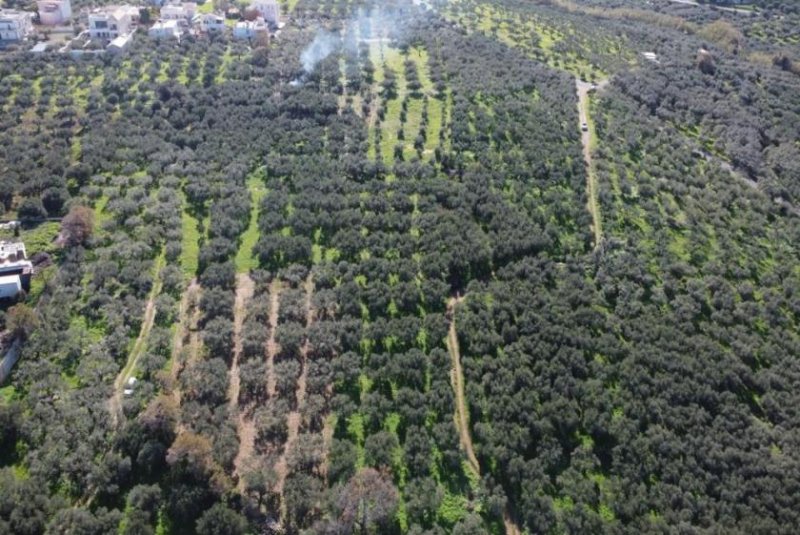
245 427
713 7
327 440
747 181
457 379
583 89
293 419
190 315
462 414
272 345
115 403
189 301
511 527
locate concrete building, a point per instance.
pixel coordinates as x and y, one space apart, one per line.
165 29
211 22
251 29
111 22
15 25
269 10
10 286
120 43
183 11
14 263
54 12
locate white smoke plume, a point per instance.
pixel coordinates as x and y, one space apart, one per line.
366 25
320 48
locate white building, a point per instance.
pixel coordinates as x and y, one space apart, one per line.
165 29
15 268
10 286
211 22
251 29
113 21
184 11
15 25
54 12
120 43
269 10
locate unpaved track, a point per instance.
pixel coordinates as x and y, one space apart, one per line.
245 428
293 419
583 89
462 416
272 346
115 403
189 319
327 440
457 380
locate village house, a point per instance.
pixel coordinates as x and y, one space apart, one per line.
15 269
119 44
210 22
54 12
165 29
251 29
111 22
178 11
269 10
15 25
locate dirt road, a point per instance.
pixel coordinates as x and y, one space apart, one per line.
587 133
115 403
462 414
245 427
293 419
457 379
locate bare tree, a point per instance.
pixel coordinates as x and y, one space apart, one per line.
77 226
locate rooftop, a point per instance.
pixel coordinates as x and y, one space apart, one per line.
165 24
121 41
118 12
9 279
13 14
12 251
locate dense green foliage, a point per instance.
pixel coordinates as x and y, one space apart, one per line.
307 272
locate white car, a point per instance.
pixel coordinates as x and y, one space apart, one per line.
584 127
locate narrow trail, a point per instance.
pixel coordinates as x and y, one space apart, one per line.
190 314
583 89
245 427
188 302
293 419
511 527
115 403
462 414
747 181
272 345
327 440
715 7
457 380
